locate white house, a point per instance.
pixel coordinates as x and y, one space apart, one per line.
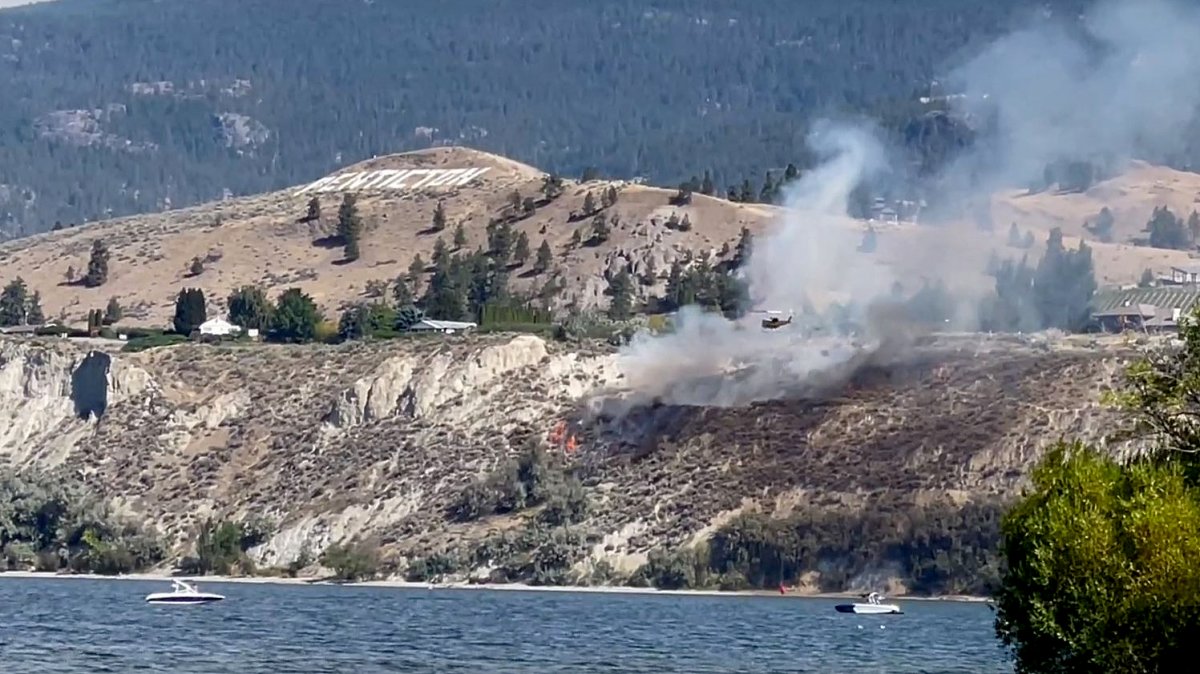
448 327
218 327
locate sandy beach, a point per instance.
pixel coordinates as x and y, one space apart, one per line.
509 587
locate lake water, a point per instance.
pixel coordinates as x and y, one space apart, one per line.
68 626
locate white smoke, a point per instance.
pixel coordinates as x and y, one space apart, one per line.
1130 81
811 255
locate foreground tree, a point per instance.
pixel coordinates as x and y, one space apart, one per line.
1101 573
14 303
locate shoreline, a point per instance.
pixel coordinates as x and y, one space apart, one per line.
505 587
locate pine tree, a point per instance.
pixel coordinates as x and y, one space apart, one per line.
440 253
196 267
620 286
551 186
514 201
249 308
296 317
685 225
746 195
1147 279
190 311
97 269
439 218
350 226
706 186
589 174
1014 236
521 250
600 230
744 247
589 204
416 268
14 303
113 312
314 210
612 195
767 194
790 173
545 257
403 292
460 236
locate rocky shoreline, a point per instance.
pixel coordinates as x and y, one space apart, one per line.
509 587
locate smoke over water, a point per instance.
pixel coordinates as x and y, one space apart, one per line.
1129 82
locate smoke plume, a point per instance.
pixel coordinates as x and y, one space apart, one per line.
1123 80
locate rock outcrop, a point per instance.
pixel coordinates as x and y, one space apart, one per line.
379 439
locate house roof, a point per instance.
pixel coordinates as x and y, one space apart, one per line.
1142 310
431 324
1184 299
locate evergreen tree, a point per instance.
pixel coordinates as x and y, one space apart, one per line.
439 217
34 314
589 174
440 254
249 308
612 195
408 316
1167 231
746 194
790 173
589 204
744 247
113 312
683 196
460 236
1014 236
295 318
521 250
349 226
196 267
552 186
514 201
14 303
97 269
500 243
685 225
313 213
599 230
416 268
190 311
1102 226
1193 227
706 185
1147 279
403 293
620 287
767 194
353 323
545 257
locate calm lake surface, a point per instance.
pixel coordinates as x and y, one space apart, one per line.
70 626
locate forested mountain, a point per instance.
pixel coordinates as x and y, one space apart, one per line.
119 106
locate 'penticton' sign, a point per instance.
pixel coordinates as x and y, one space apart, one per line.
394 179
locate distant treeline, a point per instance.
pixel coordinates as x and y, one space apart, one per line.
175 103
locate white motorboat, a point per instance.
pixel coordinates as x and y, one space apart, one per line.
873 605
183 593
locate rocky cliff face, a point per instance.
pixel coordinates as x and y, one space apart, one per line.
338 442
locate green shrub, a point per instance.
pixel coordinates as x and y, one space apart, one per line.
351 562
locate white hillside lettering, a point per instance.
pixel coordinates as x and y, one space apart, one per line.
394 180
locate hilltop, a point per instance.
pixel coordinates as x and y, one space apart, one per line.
266 239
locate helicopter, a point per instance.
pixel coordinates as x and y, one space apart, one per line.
774 322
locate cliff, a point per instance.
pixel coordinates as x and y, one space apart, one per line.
334 443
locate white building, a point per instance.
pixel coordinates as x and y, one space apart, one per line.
448 327
218 327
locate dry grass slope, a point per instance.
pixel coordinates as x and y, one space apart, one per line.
262 240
